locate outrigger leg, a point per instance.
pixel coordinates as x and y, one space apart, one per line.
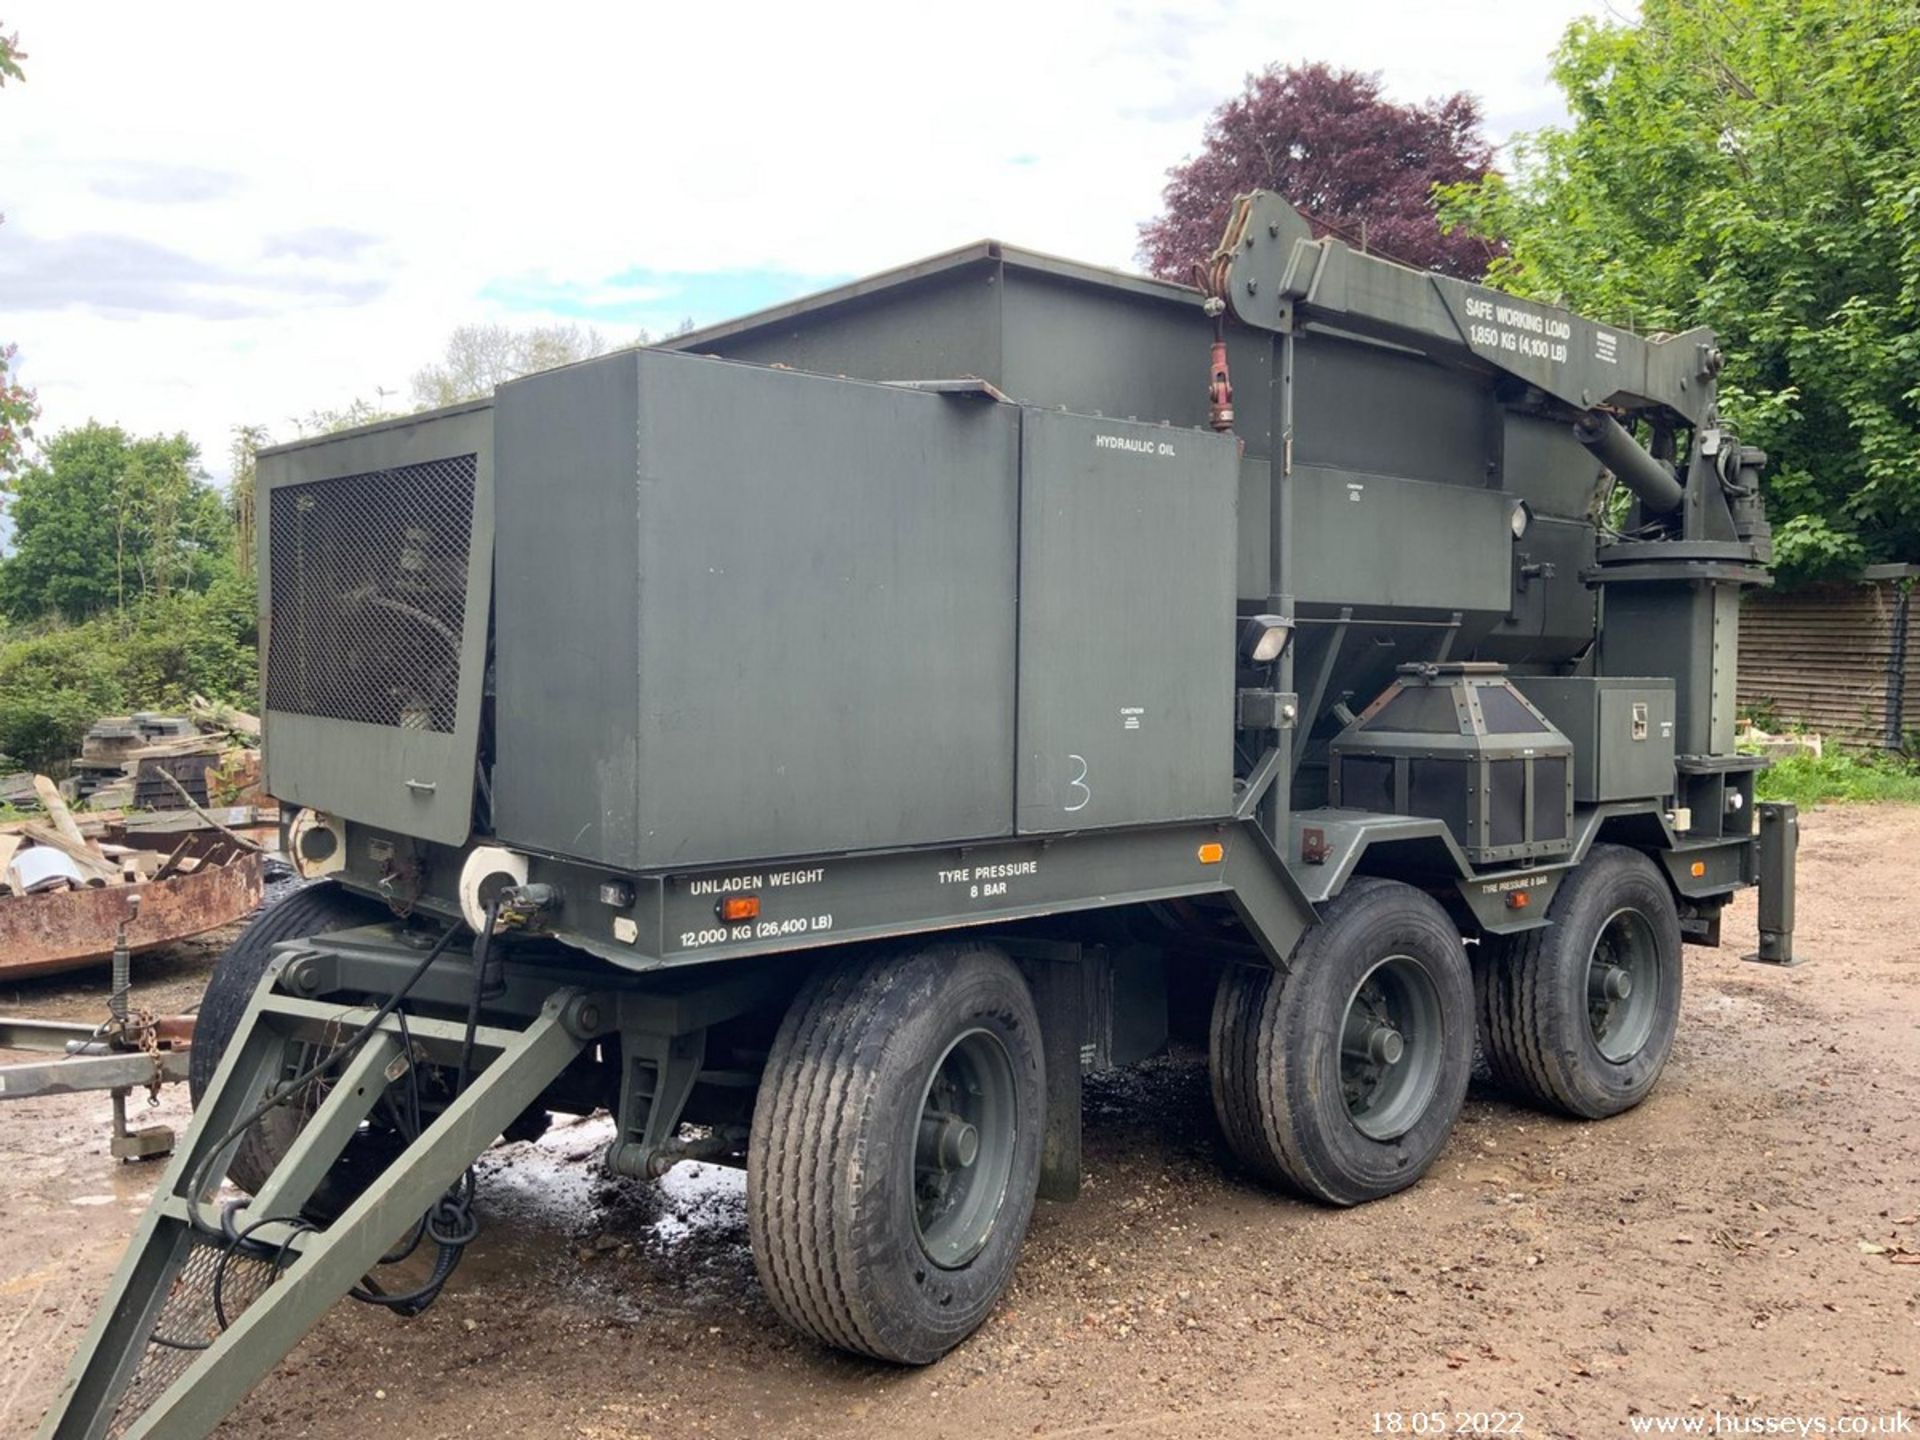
193 1319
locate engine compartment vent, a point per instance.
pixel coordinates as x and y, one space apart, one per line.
367 594
1460 744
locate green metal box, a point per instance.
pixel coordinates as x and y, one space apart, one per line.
1126 623
748 613
1404 545
1685 626
1621 728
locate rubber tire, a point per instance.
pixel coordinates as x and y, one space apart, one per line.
829 1162
1275 1048
1533 1012
313 910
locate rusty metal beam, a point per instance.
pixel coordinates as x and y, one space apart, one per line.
61 929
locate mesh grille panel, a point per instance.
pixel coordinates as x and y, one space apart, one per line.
188 1319
1506 713
1366 783
1507 802
367 595
1550 798
1419 710
1443 790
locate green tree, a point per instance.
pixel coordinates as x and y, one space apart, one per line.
52 687
104 520
1753 165
243 457
328 421
10 57
56 679
18 408
480 357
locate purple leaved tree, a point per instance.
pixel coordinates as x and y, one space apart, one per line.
1358 164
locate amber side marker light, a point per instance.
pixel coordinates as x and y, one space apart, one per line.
1699 868
1518 900
738 907
1212 853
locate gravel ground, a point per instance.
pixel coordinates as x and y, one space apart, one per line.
1738 1244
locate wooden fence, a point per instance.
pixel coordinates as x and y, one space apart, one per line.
1842 659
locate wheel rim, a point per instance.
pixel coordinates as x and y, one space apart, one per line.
1623 985
963 1152
1391 1046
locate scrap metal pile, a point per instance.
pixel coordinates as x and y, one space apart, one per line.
70 881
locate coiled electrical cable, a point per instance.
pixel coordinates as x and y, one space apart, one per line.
449 1222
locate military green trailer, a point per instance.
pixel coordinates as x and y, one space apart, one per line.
821 740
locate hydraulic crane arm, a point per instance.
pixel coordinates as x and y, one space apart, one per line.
1275 276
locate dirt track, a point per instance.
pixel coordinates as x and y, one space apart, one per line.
1732 1245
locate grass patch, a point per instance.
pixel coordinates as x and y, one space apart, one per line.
1840 776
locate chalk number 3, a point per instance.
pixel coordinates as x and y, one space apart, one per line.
1079 795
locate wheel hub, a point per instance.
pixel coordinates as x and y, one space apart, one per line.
1391 1046
1623 985
947 1142
963 1149
1611 982
1381 1045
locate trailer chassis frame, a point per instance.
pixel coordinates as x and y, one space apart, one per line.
548 1006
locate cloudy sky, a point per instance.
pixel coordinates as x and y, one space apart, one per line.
220 214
